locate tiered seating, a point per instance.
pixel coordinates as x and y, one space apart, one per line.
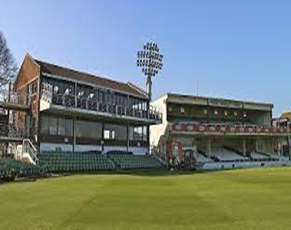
75 162
277 157
200 157
5 173
11 168
258 156
127 160
223 154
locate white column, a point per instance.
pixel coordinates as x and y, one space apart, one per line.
244 147
195 145
209 147
74 134
289 145
278 147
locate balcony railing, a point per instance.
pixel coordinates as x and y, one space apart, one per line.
228 129
72 101
15 101
11 131
16 98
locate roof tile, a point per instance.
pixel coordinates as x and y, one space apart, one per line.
90 78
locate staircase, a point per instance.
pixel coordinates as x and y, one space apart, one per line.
27 152
158 154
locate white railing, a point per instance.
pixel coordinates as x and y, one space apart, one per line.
46 92
29 148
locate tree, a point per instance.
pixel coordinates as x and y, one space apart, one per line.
8 67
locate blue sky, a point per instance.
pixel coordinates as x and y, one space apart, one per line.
235 49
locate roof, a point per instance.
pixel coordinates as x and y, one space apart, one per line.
286 115
217 98
75 75
212 101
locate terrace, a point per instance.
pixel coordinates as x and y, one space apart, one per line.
84 100
228 129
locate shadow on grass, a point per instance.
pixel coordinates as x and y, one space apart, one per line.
140 172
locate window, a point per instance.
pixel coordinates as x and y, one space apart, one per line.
89 129
120 99
84 91
62 127
137 104
145 132
33 87
205 111
115 132
63 87
245 114
131 133
215 112
65 127
80 93
91 95
145 106
69 127
44 125
100 96
108 97
106 134
235 113
56 89
225 113
56 126
182 110
170 109
138 133
53 126
68 91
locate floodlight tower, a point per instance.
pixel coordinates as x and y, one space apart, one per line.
150 60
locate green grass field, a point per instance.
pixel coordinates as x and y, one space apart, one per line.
240 199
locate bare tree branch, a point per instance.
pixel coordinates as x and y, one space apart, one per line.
8 67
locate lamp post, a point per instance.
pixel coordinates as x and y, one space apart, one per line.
150 60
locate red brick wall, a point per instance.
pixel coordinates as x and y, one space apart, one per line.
28 73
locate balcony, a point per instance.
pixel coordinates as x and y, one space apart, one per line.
11 133
228 130
86 106
15 102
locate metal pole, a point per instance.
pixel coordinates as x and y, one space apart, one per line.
149 87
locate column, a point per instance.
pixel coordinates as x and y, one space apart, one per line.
256 145
195 145
209 147
289 145
102 139
148 138
74 133
278 146
244 147
127 131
